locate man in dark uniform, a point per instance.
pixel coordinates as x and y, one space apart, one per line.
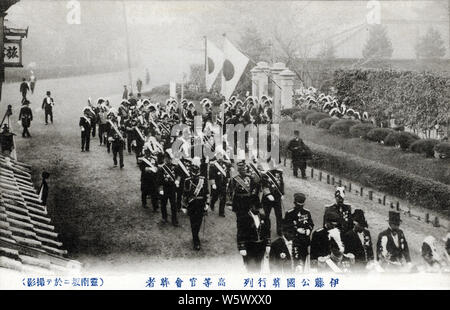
282 251
273 190
358 240
26 116
47 106
117 140
129 123
149 173
168 186
196 195
392 248
243 189
253 238
343 210
301 219
24 88
300 154
85 127
219 175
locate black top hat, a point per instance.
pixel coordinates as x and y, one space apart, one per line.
394 217
299 198
331 216
358 216
296 132
45 174
48 92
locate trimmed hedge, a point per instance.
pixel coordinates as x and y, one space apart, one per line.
290 112
303 114
360 130
442 150
314 118
401 139
378 134
326 123
387 179
342 127
424 146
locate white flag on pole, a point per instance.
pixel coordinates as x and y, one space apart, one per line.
232 69
214 63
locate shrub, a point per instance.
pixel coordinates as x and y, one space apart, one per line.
378 134
401 139
342 127
424 146
360 130
325 123
315 117
442 150
290 112
302 115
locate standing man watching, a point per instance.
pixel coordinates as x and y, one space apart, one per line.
47 106
24 88
300 154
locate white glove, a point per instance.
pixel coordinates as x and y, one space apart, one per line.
184 210
267 250
206 207
214 186
177 183
82 128
243 252
301 230
282 197
270 197
161 193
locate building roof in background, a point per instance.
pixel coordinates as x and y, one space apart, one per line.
28 241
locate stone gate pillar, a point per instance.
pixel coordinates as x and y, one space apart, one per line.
276 69
287 89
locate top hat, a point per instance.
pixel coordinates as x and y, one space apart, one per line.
394 217
358 216
331 216
48 92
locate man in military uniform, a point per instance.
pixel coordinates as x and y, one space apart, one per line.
85 127
358 240
26 116
117 140
300 154
219 174
168 186
47 106
243 189
302 221
343 210
282 251
273 190
320 241
24 88
149 173
253 238
392 248
129 123
196 195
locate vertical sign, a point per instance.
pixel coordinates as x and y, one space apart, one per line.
12 53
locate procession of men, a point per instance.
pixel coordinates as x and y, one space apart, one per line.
194 185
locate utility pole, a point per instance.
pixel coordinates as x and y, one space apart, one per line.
128 46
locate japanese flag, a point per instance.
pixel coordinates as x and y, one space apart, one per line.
233 67
214 63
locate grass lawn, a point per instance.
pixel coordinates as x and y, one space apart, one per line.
432 168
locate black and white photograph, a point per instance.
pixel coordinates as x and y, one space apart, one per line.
224 145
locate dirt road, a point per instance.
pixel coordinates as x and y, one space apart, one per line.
97 210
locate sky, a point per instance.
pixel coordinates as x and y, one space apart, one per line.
167 36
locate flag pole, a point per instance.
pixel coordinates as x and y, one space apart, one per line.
206 58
